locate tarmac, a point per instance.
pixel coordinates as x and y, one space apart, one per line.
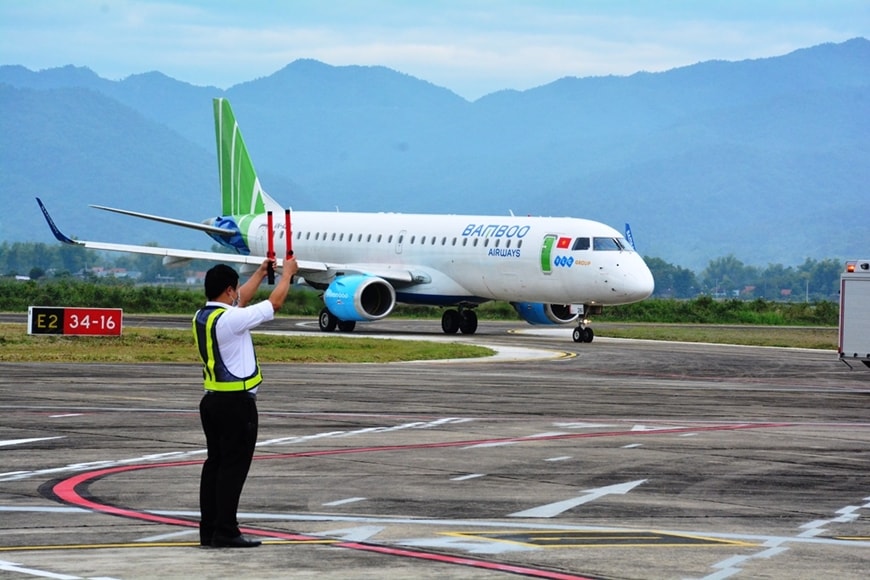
552 459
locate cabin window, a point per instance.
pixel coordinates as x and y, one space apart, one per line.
464 241
412 239
606 245
519 243
454 241
581 244
390 239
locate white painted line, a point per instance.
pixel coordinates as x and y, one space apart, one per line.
632 445
554 509
358 534
469 476
23 441
344 501
46 509
562 458
163 537
493 444
65 415
13 567
545 435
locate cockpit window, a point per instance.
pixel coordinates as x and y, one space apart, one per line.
581 244
607 244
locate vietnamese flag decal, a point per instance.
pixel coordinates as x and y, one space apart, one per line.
563 243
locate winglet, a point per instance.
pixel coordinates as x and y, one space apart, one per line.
54 229
629 237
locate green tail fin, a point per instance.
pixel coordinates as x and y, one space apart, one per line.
241 192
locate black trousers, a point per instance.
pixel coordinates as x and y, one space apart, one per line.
229 421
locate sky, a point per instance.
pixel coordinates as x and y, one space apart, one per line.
472 47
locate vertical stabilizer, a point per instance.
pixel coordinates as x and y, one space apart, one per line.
241 192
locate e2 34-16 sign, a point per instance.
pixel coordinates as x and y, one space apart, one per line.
74 321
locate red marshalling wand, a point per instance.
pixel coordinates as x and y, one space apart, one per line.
270 244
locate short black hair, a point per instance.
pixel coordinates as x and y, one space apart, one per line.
218 279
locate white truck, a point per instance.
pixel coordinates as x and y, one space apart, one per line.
854 342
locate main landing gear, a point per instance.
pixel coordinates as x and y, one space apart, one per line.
328 322
463 320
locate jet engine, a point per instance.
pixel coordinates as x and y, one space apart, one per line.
359 298
537 313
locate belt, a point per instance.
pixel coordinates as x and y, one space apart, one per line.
247 394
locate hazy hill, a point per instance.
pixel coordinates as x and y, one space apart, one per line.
764 159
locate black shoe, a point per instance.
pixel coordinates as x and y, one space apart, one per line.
237 542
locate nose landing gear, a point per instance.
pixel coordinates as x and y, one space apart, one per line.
583 333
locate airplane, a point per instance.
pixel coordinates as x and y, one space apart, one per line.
551 270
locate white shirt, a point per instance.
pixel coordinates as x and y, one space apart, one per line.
234 335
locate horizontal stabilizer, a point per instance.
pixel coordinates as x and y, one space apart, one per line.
175 222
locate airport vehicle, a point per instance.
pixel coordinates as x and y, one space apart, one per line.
854 341
552 270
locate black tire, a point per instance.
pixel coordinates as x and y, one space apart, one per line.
450 321
468 322
347 325
327 321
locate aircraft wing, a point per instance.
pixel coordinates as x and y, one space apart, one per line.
178 255
308 269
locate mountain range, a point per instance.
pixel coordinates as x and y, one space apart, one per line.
767 160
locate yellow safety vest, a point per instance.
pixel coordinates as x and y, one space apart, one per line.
215 374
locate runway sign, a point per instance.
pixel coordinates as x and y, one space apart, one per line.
74 321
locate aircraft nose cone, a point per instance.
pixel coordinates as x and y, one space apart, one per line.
644 284
639 283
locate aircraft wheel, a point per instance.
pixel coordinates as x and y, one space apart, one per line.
468 321
327 321
583 334
347 325
450 321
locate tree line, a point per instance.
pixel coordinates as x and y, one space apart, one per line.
723 277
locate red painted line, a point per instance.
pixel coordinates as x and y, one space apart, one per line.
71 491
458 560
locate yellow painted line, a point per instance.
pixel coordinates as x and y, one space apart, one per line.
146 545
593 539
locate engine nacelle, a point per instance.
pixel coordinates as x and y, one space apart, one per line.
359 298
537 313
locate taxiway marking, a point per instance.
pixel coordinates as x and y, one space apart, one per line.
554 509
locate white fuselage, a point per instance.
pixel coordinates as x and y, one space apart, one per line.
455 258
